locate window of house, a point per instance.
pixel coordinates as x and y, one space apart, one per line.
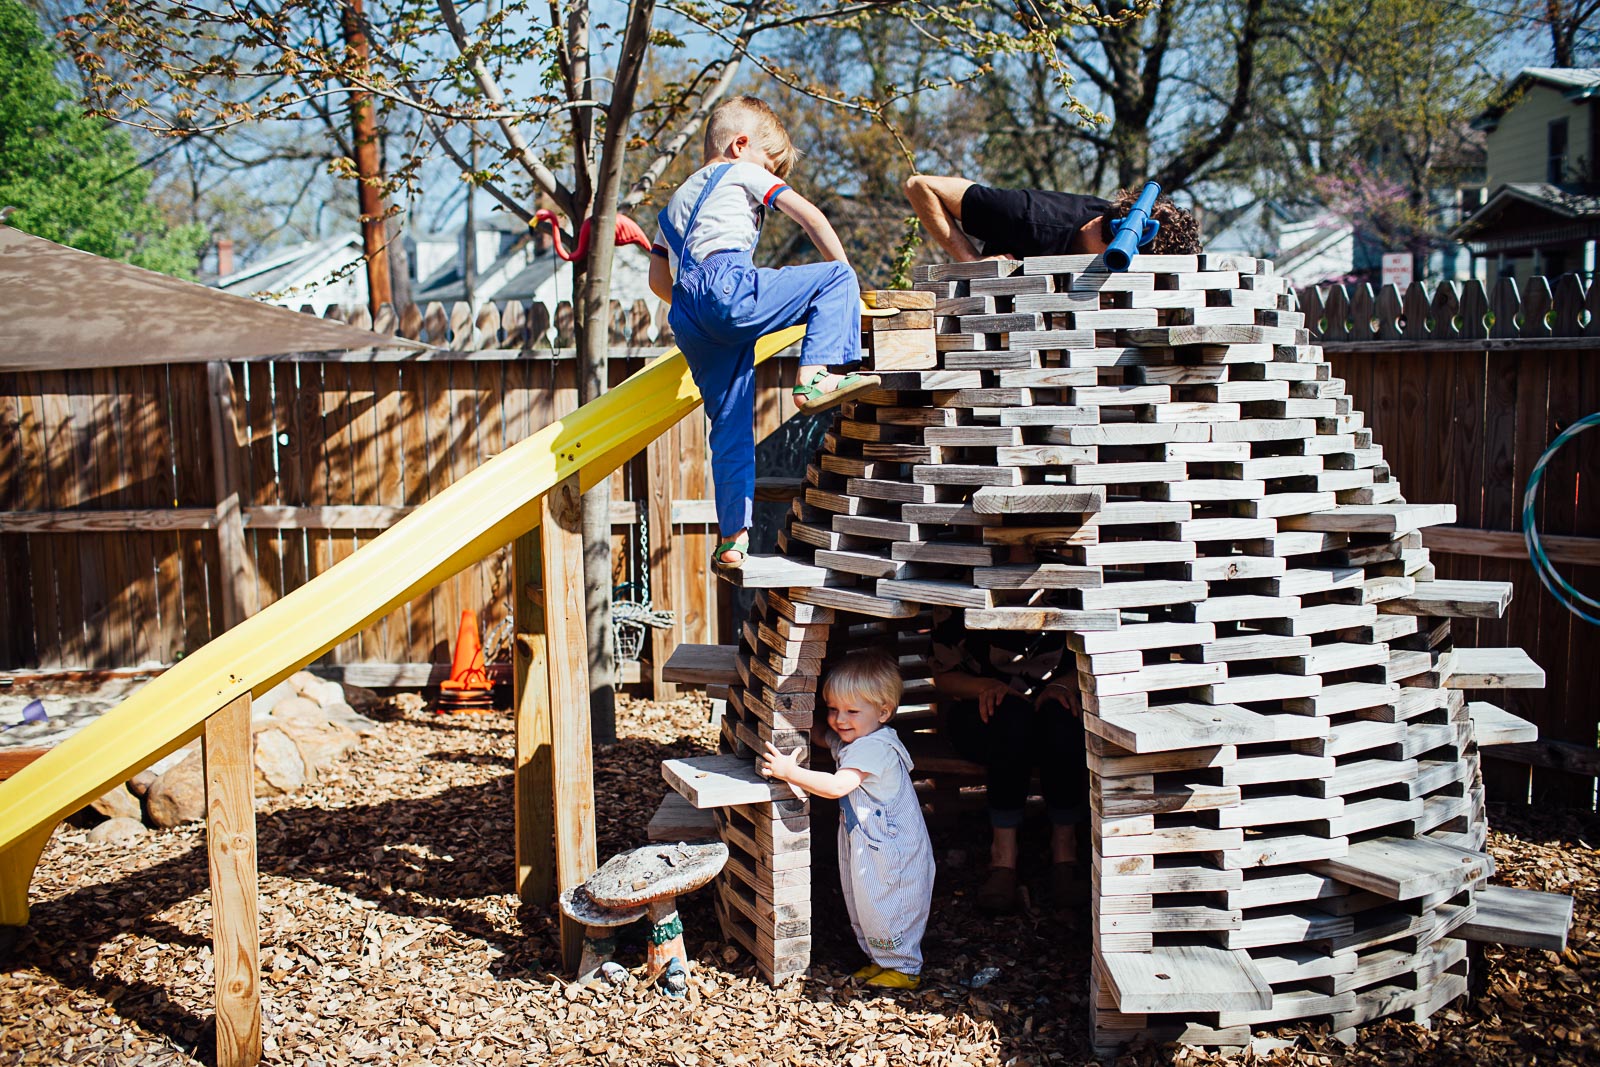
1556 165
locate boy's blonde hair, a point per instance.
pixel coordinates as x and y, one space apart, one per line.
752 117
869 674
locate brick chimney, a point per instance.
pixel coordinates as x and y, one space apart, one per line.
224 256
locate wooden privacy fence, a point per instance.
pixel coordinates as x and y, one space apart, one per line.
1465 388
143 510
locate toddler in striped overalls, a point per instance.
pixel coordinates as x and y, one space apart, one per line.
885 857
722 303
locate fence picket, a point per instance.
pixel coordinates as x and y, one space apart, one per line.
1567 307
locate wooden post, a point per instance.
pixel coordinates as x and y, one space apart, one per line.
533 787
231 845
238 575
567 658
662 465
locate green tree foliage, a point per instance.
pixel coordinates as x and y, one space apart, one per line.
70 178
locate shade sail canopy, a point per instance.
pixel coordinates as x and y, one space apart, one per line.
61 308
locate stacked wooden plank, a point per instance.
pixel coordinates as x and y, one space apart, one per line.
1287 810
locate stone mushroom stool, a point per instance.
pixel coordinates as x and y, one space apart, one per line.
654 877
599 922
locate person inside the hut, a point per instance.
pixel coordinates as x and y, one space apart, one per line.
885 857
971 221
1010 701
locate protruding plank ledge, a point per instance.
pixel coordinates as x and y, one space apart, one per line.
702 665
1403 868
1495 668
1372 518
1452 599
1169 727
721 781
1525 918
1186 978
776 572
1493 725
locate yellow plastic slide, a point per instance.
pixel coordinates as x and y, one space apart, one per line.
491 506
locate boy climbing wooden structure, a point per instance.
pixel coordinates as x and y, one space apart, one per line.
1285 783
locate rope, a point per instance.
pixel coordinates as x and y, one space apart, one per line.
635 614
1557 586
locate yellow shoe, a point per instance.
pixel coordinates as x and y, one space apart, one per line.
871 970
890 979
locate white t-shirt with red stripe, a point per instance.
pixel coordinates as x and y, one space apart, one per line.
732 215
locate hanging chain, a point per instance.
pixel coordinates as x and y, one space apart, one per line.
644 555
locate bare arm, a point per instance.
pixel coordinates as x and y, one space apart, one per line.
660 278
776 764
937 202
988 692
815 223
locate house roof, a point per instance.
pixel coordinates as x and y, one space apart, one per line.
1575 83
66 308
311 261
1552 199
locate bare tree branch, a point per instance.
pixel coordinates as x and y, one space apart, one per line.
553 186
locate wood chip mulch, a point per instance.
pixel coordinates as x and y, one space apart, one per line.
390 936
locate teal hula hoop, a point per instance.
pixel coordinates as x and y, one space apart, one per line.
1557 586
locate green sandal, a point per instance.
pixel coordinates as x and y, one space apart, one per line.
819 400
740 545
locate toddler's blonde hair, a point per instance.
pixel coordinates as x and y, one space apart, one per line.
752 117
870 675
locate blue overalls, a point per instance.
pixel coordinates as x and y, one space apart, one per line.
720 307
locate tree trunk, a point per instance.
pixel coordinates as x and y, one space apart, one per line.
594 330
369 168
593 310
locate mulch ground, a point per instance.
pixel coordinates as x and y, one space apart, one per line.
390 936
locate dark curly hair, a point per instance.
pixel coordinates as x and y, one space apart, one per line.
1179 234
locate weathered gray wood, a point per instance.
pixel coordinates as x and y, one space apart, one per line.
1453 599
1405 868
776 572
1525 918
721 781
1374 518
1492 725
678 820
702 665
1495 668
1186 978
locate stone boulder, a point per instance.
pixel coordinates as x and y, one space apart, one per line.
179 796
118 831
321 744
140 783
279 766
346 716
299 680
324 692
118 803
290 707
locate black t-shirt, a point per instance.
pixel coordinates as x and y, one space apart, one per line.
1026 222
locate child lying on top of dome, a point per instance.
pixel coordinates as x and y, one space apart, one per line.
971 221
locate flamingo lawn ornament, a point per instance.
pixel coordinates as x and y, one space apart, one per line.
628 233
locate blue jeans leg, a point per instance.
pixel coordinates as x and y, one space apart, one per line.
824 296
726 379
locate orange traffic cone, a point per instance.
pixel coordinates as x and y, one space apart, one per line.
468 688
